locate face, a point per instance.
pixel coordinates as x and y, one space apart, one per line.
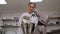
31 7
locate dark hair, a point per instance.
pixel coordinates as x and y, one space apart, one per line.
32 3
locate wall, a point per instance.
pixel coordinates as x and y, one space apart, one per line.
13 13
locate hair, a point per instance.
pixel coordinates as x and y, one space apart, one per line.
32 3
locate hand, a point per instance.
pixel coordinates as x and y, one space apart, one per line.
46 20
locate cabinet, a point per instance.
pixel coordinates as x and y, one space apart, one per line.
10 26
53 23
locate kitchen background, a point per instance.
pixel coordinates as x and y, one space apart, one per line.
15 8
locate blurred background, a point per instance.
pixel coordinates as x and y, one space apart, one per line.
12 9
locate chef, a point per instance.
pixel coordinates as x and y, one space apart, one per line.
29 18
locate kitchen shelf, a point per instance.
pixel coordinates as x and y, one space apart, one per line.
6 25
54 25
10 20
54 16
9 26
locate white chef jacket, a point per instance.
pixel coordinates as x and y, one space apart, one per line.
33 19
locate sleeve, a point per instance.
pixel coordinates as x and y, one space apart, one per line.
36 21
20 20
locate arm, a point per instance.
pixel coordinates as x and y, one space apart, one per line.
46 19
35 20
20 20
